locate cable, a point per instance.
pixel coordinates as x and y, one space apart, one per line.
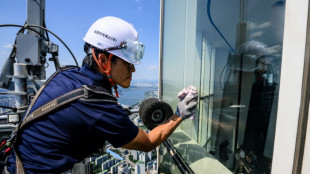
22 30
209 16
57 38
46 66
28 27
7 107
48 39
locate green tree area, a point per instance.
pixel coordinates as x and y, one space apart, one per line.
131 159
154 156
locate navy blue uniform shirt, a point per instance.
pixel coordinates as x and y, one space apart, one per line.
55 142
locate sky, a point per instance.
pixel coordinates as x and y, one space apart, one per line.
70 20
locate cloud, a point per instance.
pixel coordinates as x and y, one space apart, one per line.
8 46
260 26
257 34
139 7
152 67
149 72
264 25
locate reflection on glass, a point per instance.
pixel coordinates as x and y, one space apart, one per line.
231 51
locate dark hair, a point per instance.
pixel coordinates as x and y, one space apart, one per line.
89 60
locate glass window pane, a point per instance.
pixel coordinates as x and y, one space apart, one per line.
231 51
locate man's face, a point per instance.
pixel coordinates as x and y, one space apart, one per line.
121 72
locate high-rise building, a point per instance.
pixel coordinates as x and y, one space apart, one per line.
104 172
114 168
124 168
149 155
154 165
101 159
135 154
149 165
105 165
142 157
140 167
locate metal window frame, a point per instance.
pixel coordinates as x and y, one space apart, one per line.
304 108
291 110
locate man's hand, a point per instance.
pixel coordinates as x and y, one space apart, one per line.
187 106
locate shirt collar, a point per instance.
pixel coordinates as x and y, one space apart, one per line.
97 77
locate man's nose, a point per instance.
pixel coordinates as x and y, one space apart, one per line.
132 68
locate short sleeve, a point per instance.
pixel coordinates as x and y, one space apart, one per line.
114 125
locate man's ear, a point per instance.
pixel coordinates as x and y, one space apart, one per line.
102 58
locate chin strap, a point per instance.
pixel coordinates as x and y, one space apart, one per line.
106 69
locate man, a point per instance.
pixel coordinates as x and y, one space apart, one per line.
61 138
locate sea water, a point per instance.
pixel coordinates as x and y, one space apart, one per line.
134 96
137 92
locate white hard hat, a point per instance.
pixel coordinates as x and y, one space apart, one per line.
110 33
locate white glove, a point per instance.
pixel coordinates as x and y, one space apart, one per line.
187 106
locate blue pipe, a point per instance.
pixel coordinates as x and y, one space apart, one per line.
209 16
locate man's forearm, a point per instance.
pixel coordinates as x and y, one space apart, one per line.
149 141
162 132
